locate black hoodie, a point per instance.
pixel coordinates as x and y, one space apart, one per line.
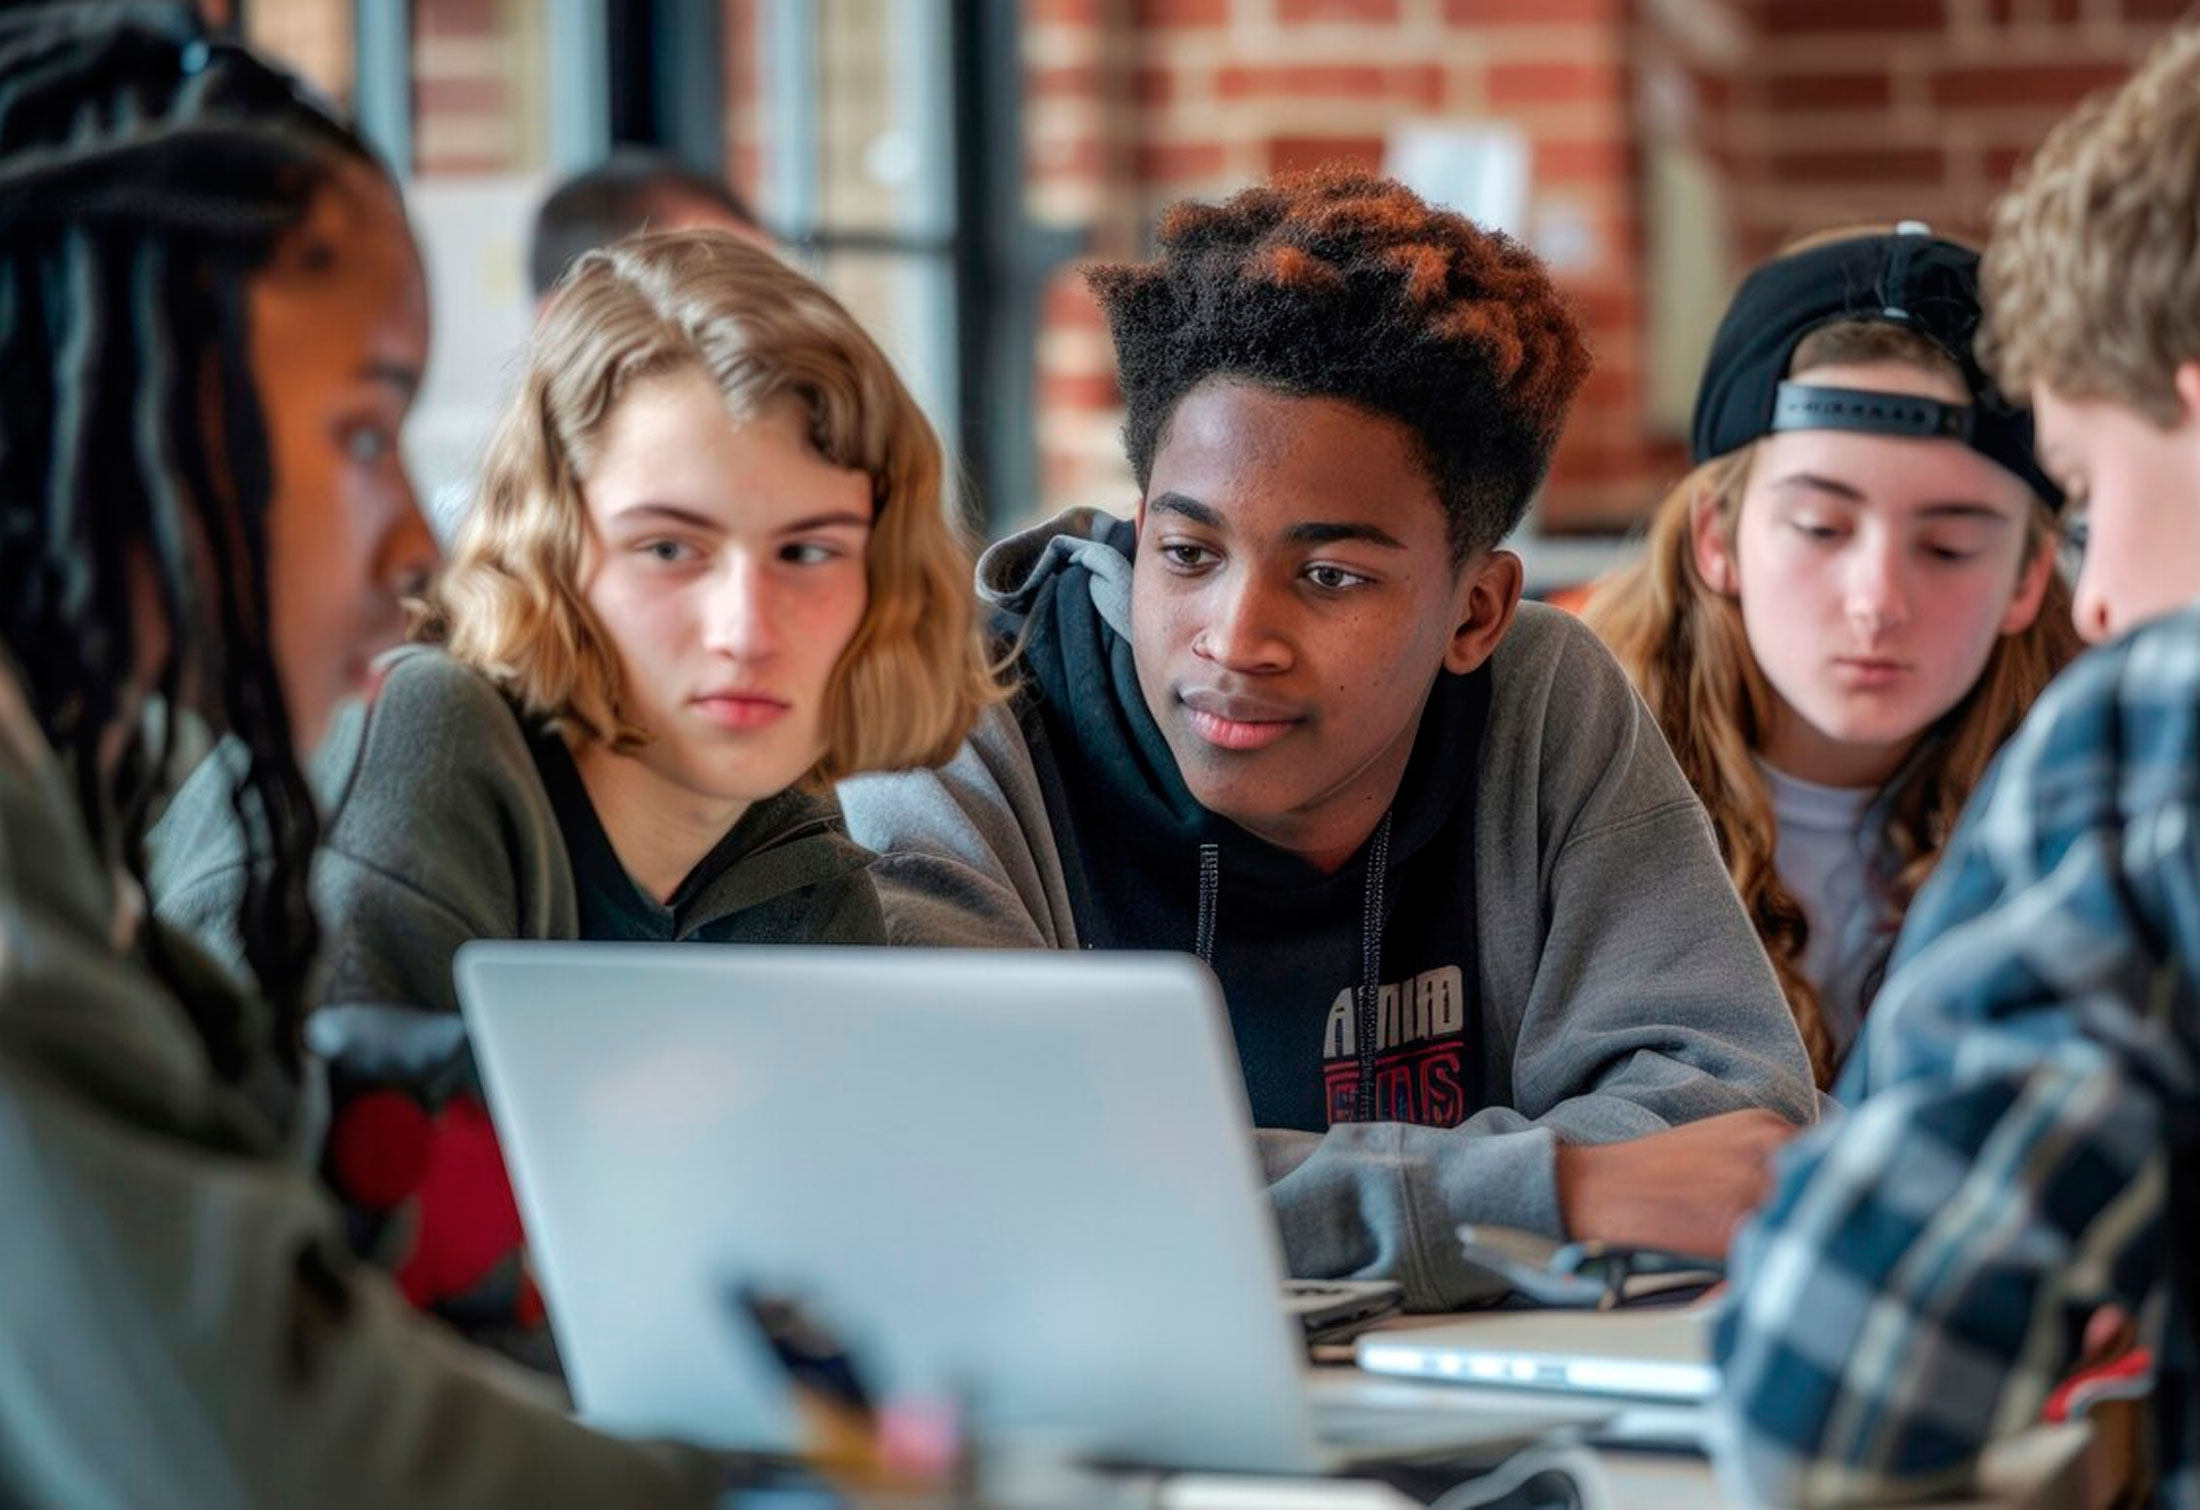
1306 957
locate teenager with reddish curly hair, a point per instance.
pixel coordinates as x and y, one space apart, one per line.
1481 958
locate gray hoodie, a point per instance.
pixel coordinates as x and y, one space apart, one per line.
450 817
1618 988
439 828
180 1323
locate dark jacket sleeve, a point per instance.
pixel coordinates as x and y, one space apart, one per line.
435 832
182 1324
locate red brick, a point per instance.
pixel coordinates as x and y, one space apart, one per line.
458 18
1180 12
1292 11
1154 86
1166 162
458 96
1714 91
1849 165
1592 161
1068 304
1789 18
1604 509
746 160
1077 81
1760 243
1296 154
1078 157
2001 163
2059 12
1609 387
1665 456
1531 12
2030 84
1584 457
1607 310
1513 84
1831 91
456 163
1413 85
1063 12
1078 390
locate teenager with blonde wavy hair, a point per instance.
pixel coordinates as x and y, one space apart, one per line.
1849 605
706 573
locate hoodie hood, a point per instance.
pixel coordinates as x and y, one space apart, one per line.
1064 588
1149 868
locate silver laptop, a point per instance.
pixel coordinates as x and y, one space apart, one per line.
1023 1180
1660 1354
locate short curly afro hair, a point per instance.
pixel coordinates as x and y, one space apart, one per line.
1338 284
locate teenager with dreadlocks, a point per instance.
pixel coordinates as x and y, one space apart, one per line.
212 318
1846 609
708 570
1481 960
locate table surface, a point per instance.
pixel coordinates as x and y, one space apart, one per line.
2042 1469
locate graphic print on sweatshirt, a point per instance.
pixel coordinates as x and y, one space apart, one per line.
1420 1051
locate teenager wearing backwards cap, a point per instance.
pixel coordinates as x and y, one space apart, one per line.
1480 957
1850 603
2025 1153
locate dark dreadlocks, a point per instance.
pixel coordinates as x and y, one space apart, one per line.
146 172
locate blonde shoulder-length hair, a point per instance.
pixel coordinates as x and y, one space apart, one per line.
1685 647
512 602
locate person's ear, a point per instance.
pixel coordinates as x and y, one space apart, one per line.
2024 608
2188 388
1707 542
1489 594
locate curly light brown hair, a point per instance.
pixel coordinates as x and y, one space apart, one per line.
916 674
2092 276
1341 285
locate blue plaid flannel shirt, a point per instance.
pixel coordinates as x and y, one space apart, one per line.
1920 1280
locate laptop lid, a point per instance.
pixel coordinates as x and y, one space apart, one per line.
1024 1179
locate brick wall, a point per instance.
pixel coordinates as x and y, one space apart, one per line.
1879 109
1799 114
478 86
1140 102
1794 115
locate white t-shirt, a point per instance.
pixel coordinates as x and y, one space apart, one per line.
1824 860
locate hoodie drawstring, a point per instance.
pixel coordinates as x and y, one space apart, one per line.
1210 892
1369 994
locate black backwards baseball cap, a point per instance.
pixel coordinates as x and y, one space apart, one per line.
1907 277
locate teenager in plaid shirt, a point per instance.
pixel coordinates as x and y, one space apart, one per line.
2027 1115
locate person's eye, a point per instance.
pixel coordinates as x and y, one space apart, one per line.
1811 529
810 552
1950 554
1186 557
1332 578
671 552
366 445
